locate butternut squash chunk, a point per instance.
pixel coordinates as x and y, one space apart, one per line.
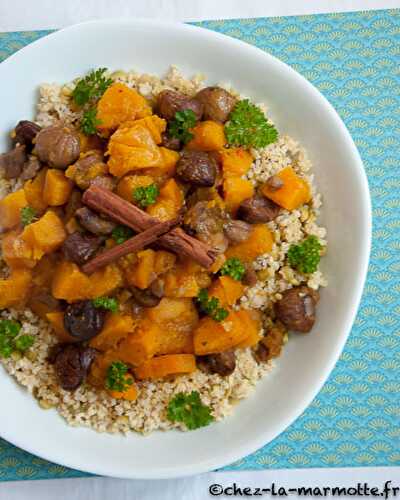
119 104
235 162
236 190
212 337
251 320
57 188
16 251
294 192
69 283
169 202
185 280
104 281
128 184
10 209
44 236
34 192
162 366
143 274
15 289
208 136
140 345
227 290
163 262
56 320
116 328
259 242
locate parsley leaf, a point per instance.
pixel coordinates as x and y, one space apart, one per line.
117 378
210 306
234 268
11 341
247 126
28 215
305 256
91 87
121 234
90 121
180 126
109 303
189 409
146 195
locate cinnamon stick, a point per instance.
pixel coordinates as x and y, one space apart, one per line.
132 245
176 240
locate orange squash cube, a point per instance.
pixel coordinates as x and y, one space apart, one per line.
139 345
259 242
127 185
56 320
104 281
16 251
208 136
169 202
118 104
163 262
235 162
15 289
143 274
252 321
57 188
294 192
69 283
116 328
10 209
236 190
34 192
227 290
45 235
162 366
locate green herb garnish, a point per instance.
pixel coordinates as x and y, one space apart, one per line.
11 340
305 257
91 87
109 303
90 122
116 379
234 268
28 215
146 195
189 409
210 306
248 126
180 126
121 234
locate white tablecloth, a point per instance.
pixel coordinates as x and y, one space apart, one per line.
45 14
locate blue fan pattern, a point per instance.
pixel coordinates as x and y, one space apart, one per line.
355 420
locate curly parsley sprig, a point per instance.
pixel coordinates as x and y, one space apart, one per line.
180 126
234 268
28 215
90 122
10 339
121 234
210 306
109 303
190 410
91 87
117 378
306 255
248 126
146 195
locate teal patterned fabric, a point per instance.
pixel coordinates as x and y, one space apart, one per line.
353 59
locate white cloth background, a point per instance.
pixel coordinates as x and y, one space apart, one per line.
46 14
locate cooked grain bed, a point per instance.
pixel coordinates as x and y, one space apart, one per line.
96 409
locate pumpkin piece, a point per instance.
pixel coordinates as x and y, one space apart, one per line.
134 146
129 394
57 188
72 226
251 319
227 290
127 185
34 192
10 209
143 274
294 192
208 136
163 262
162 366
185 280
118 104
45 235
212 337
69 283
176 319
15 289
167 167
15 251
104 281
116 328
56 320
236 190
140 345
89 142
155 125
259 242
169 202
44 272
235 162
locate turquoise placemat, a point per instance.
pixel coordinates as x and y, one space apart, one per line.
353 59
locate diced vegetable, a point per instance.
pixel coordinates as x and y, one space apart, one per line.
140 345
56 320
143 273
227 290
208 136
45 235
252 321
16 251
57 188
104 281
162 366
294 192
10 209
128 184
69 283
130 393
116 328
34 192
15 289
259 242
169 202
236 190
235 162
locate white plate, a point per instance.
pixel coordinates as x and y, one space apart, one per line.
300 111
